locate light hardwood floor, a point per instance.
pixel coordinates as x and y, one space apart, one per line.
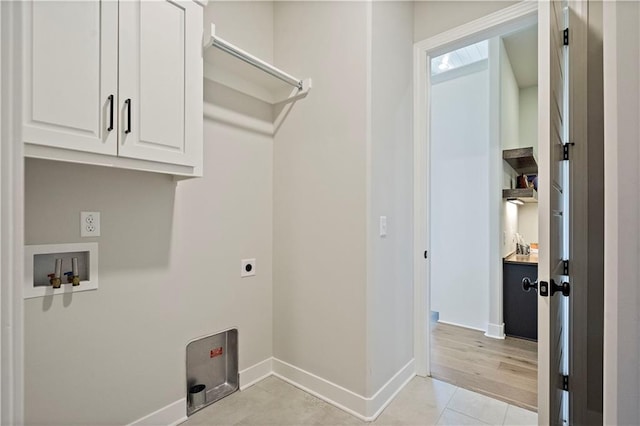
503 369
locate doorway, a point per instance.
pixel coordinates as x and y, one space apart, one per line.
563 31
483 216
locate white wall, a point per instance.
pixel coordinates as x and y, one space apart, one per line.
509 139
390 286
509 103
246 24
434 17
528 118
622 210
510 225
528 222
164 280
459 199
528 136
519 129
342 159
320 198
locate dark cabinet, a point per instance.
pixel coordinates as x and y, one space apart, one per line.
520 307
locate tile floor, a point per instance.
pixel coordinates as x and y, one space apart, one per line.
423 401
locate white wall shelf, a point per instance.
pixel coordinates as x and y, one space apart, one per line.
231 66
39 261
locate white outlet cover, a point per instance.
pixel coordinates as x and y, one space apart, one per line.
89 224
248 268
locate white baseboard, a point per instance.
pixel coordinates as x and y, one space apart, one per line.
332 393
461 325
364 408
495 331
171 415
252 375
388 392
176 412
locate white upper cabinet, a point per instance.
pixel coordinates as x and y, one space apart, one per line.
160 80
114 83
71 74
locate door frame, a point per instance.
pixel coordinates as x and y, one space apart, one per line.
492 25
508 19
11 219
621 52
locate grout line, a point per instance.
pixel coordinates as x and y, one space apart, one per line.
447 405
504 419
465 415
451 397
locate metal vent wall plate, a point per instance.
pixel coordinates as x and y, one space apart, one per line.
212 369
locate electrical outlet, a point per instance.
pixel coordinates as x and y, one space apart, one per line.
248 267
89 224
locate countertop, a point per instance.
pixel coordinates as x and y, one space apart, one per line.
532 259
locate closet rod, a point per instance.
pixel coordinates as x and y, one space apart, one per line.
256 62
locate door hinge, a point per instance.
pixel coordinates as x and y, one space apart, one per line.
565 267
565 37
565 150
426 254
565 383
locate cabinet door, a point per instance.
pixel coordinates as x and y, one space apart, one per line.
160 84
70 76
520 306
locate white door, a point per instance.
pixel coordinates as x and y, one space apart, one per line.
160 75
70 74
553 215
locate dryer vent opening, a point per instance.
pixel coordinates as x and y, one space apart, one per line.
212 369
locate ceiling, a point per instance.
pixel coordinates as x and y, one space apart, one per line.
522 48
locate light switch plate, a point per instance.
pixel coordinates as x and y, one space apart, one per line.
383 226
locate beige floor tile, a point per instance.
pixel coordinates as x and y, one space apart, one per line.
453 418
276 386
478 406
422 402
232 409
428 391
518 416
417 416
288 406
331 416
